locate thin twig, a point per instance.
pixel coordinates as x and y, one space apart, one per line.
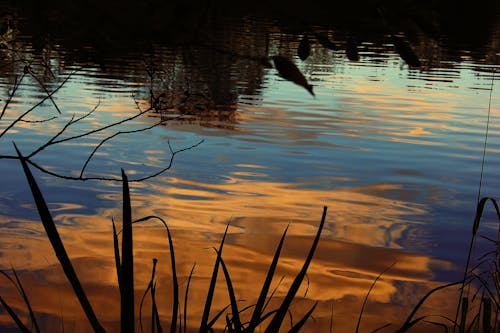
58 175
96 148
28 69
11 95
53 141
12 124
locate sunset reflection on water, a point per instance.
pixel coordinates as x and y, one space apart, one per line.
394 152
340 274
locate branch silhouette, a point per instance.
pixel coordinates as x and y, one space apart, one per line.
57 138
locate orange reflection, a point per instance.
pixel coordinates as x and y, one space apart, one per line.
365 215
340 274
336 277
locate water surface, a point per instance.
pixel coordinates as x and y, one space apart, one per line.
395 152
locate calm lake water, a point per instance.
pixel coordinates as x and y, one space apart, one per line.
395 153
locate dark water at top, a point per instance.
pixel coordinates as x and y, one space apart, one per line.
394 150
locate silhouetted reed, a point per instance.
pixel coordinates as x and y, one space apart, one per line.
125 275
482 319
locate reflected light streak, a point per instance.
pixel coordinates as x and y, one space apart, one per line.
340 274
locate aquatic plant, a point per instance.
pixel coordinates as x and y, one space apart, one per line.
268 320
482 319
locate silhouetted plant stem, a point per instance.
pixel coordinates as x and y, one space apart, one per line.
277 320
368 294
205 325
57 245
127 264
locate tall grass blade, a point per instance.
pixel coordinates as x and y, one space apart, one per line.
300 323
272 294
141 305
155 323
475 227
175 281
381 328
127 266
409 322
27 302
277 320
479 212
186 294
118 264
474 324
148 289
368 294
229 325
486 315
153 303
14 317
204 327
257 313
234 304
212 322
57 245
17 283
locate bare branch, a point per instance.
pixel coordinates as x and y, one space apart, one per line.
58 139
20 118
100 129
160 122
170 162
11 95
117 179
38 121
53 141
27 69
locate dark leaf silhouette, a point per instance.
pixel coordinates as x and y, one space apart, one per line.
127 264
57 245
405 51
289 71
23 328
276 322
351 50
304 48
325 41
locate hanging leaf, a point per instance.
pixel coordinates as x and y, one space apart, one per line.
405 51
351 49
289 71
304 48
325 41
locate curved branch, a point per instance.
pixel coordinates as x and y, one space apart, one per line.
117 179
53 141
20 118
11 95
162 121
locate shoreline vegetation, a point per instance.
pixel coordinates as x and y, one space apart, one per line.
475 313
117 26
106 25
